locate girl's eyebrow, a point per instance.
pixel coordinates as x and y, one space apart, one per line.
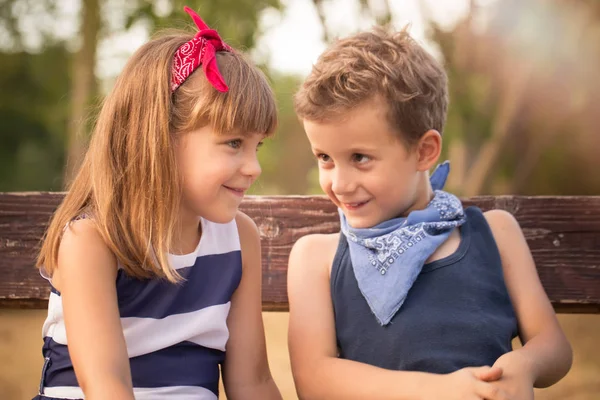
231 134
244 135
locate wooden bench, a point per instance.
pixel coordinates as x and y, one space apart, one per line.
562 232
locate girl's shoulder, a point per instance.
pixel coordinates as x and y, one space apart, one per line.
82 250
81 236
247 228
249 238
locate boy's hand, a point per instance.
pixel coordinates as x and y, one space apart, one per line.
487 374
467 384
516 379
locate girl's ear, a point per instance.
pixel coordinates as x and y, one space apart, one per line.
428 149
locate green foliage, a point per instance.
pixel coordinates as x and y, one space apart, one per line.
552 133
33 116
13 11
286 156
236 20
35 96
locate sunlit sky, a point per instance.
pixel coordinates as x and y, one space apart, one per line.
292 40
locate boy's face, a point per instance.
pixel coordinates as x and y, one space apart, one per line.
364 167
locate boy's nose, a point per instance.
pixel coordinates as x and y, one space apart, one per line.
342 182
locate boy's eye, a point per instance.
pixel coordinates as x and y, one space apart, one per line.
259 145
234 144
360 158
323 157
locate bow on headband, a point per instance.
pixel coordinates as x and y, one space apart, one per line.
200 50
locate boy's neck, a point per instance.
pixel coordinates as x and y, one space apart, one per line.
423 197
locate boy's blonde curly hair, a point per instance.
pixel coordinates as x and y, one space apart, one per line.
379 63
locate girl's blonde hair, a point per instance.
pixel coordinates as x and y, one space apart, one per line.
128 182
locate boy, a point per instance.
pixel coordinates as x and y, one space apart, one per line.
416 298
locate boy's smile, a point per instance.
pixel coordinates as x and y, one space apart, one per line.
364 167
355 206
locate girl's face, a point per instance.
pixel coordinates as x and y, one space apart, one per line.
216 171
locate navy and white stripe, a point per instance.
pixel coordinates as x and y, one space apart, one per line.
175 333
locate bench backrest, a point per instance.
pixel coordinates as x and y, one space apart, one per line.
562 232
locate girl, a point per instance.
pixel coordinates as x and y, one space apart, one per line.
155 274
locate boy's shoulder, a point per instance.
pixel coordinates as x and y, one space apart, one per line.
505 229
312 243
496 219
314 251
501 220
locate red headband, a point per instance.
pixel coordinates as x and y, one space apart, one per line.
200 50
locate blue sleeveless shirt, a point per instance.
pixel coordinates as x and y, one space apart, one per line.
457 314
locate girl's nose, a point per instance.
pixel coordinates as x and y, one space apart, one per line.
251 166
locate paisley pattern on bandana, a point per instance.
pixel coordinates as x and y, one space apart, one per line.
187 58
200 50
388 248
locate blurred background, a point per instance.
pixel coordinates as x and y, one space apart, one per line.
525 102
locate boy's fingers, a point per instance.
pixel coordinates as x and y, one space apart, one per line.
490 392
488 374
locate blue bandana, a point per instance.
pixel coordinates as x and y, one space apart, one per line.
388 257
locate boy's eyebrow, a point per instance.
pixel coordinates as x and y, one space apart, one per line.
355 149
362 149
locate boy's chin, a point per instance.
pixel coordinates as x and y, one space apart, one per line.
362 222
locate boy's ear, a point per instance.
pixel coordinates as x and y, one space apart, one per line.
429 149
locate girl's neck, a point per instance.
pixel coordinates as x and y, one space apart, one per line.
186 234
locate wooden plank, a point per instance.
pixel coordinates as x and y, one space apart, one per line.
562 232
23 220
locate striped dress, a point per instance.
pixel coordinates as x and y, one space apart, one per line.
175 333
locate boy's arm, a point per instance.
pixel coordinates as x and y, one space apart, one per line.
246 373
320 374
86 276
546 354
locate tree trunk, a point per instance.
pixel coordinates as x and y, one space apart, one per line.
83 87
510 103
321 14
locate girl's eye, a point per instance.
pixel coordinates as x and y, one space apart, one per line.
360 158
323 157
259 145
235 144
